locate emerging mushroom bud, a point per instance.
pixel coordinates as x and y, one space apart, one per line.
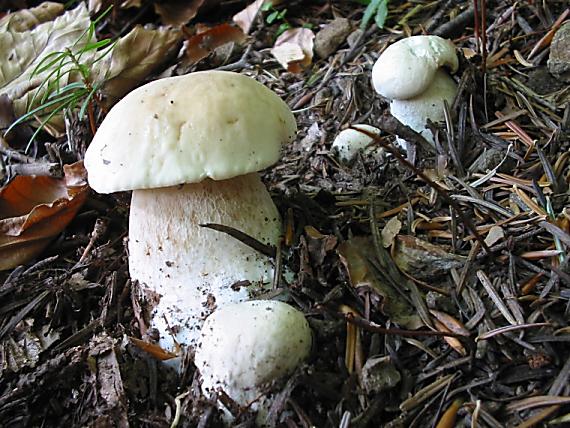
349 142
246 346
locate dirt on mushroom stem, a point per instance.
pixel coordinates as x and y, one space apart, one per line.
193 268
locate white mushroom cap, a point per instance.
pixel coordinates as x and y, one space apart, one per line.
406 68
245 346
183 129
349 141
416 111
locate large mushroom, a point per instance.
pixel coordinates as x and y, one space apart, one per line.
411 73
189 148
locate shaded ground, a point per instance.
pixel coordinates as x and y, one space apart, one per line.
65 325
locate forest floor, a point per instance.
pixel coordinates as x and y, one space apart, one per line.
437 283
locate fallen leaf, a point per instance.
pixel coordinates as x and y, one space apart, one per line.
153 349
25 50
201 45
177 12
495 234
355 254
318 244
27 19
450 323
448 418
423 260
390 231
244 19
35 209
294 49
134 57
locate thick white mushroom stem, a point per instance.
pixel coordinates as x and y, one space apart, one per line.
192 268
415 112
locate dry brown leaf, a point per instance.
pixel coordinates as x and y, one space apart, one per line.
423 260
244 19
177 12
318 244
450 323
152 349
448 418
35 209
28 19
451 341
294 49
201 45
134 57
390 231
355 254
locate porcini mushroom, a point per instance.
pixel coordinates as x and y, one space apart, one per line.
189 148
246 346
411 74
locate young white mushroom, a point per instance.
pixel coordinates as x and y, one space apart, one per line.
415 112
246 346
349 142
411 74
407 68
190 147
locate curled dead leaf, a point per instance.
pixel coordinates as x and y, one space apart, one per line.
294 49
201 45
35 209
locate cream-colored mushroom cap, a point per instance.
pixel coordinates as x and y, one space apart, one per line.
183 129
245 346
406 68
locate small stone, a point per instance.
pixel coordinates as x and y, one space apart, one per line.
331 37
542 82
379 374
353 37
559 60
